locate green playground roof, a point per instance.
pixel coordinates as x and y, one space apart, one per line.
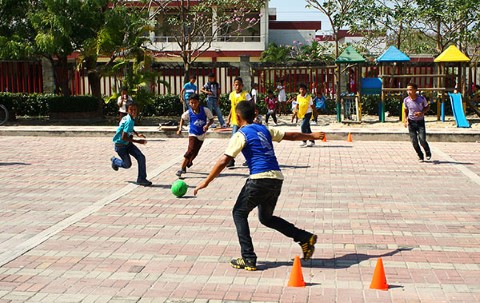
452 54
393 54
350 55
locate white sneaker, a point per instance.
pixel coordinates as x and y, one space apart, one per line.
303 144
213 125
313 123
310 144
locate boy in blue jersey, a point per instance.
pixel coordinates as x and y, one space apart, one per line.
264 185
188 89
200 119
124 146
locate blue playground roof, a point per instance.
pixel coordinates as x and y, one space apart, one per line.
392 54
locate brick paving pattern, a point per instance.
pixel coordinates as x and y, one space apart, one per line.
74 230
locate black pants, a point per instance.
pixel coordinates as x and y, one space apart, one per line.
264 194
305 127
274 117
417 132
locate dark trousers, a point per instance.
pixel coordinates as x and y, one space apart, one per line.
274 117
194 145
124 151
264 194
417 132
305 127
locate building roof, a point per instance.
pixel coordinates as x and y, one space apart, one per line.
393 54
452 54
350 55
295 25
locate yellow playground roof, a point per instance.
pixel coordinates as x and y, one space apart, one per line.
452 54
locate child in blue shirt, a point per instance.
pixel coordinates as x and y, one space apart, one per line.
124 146
188 89
320 105
200 119
263 187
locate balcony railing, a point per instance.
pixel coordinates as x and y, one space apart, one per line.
172 39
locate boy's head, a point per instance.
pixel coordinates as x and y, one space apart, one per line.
192 78
194 101
302 88
132 110
270 93
255 85
238 84
245 112
123 91
211 77
412 89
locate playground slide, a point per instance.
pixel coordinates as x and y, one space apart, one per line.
457 108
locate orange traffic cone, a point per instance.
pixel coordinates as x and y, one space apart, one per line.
325 138
296 276
349 137
379 280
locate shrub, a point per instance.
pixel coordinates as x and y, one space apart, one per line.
74 104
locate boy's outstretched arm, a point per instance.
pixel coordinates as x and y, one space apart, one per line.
216 170
295 136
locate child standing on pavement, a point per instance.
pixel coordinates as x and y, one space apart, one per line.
238 95
305 108
271 103
264 185
124 146
415 108
212 90
188 89
200 119
293 101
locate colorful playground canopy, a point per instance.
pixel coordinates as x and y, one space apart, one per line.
452 54
350 55
393 54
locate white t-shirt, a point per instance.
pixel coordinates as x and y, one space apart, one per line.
282 96
254 95
122 104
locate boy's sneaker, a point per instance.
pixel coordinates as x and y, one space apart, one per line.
310 143
303 144
213 125
180 172
308 247
240 263
420 160
144 183
314 123
429 156
114 167
231 164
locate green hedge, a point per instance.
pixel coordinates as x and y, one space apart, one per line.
73 104
25 105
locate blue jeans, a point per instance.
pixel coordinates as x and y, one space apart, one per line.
305 127
215 109
125 162
263 193
416 130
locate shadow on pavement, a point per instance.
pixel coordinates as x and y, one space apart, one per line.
13 163
344 261
294 166
436 162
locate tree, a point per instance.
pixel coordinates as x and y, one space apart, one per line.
16 39
275 53
195 25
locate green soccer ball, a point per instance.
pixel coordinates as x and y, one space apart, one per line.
179 188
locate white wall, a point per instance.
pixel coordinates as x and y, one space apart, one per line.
286 37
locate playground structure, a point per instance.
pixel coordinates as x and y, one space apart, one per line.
352 105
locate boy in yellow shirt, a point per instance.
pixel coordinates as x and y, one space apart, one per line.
236 96
305 109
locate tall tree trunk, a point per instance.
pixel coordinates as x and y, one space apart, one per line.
61 75
94 81
399 35
439 37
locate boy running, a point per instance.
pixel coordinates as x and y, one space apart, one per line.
415 108
198 116
264 185
124 146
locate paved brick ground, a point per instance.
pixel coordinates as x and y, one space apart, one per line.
73 230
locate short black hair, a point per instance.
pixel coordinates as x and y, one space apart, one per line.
211 75
194 97
414 85
269 91
246 110
192 77
239 79
302 85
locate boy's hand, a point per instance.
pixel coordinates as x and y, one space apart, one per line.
142 141
405 123
199 187
205 128
179 131
318 135
141 135
417 114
